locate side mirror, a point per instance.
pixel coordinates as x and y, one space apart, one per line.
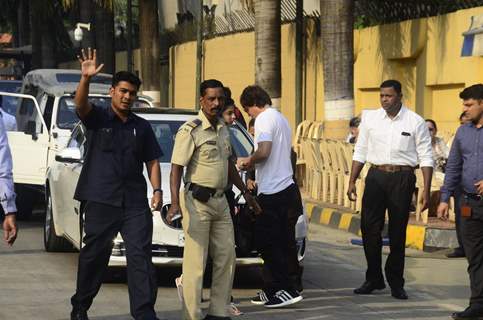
31 129
69 155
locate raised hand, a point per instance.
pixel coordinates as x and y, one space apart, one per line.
88 63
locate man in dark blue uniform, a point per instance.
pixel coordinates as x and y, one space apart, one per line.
113 190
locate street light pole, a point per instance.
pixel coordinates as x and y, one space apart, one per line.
129 36
199 52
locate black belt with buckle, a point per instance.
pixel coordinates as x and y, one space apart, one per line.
474 196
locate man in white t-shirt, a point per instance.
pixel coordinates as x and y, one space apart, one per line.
276 191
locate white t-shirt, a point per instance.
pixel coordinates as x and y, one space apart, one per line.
274 174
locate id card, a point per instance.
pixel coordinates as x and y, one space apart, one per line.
465 211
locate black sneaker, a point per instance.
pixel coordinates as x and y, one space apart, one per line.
260 299
283 298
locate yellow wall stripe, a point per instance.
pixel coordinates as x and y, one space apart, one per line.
345 221
325 216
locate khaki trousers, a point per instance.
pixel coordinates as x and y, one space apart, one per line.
208 227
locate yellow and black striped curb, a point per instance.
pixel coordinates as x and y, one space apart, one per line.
417 236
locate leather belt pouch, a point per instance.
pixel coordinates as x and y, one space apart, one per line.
201 193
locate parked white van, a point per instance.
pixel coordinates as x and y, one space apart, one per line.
45 117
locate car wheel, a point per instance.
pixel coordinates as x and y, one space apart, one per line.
52 242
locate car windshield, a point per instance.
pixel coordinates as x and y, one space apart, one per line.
67 118
165 132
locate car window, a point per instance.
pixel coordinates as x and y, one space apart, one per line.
67 117
77 139
9 104
242 146
165 132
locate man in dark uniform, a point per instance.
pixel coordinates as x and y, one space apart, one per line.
113 190
464 171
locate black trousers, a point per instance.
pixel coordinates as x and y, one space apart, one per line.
295 270
273 238
102 223
472 236
391 191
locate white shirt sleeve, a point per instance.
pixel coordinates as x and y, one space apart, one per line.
264 128
360 149
7 193
423 145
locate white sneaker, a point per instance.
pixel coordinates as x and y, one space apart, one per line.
283 298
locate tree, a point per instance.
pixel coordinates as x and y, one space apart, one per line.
149 44
337 27
267 48
104 36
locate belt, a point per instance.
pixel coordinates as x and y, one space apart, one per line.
215 193
392 168
474 196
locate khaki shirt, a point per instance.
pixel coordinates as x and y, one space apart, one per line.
204 152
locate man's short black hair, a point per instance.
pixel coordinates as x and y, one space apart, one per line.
354 122
472 92
211 83
126 76
255 96
392 84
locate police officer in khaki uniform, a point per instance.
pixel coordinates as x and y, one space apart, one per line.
203 147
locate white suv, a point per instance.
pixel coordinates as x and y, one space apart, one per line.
45 115
62 229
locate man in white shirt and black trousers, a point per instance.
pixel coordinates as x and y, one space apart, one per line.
394 141
277 193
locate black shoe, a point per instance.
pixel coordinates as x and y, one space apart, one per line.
368 286
399 293
457 253
78 315
283 298
470 313
210 317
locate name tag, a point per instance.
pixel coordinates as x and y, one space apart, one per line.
213 143
407 134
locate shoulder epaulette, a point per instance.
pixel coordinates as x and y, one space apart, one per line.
194 123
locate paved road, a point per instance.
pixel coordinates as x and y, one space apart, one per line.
37 285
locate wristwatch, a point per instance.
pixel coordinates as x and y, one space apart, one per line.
157 190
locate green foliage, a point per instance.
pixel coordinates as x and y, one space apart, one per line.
373 12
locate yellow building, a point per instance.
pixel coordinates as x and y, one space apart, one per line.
424 54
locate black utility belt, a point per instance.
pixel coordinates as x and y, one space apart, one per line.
474 196
202 193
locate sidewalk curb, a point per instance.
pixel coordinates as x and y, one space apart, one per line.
417 237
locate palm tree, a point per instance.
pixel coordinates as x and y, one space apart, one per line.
104 35
336 26
149 44
267 48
